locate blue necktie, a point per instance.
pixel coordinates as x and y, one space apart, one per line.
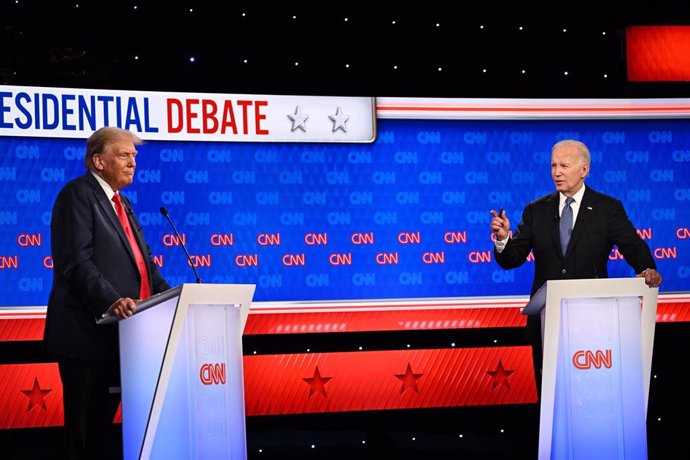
566 225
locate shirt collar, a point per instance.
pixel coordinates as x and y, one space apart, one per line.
106 187
577 197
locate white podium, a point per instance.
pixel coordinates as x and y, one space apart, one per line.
181 374
598 337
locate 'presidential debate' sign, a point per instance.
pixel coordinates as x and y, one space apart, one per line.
398 210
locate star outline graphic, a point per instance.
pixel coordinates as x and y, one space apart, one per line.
299 120
317 383
500 376
36 396
409 380
339 120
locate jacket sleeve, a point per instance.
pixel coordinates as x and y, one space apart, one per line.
519 244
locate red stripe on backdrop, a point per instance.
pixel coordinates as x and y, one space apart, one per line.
397 320
671 308
21 329
672 312
658 53
383 380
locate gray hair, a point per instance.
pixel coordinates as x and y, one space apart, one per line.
101 140
581 148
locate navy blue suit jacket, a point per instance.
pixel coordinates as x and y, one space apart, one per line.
601 223
93 266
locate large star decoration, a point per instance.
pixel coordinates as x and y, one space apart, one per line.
409 380
500 376
317 384
299 120
339 120
36 395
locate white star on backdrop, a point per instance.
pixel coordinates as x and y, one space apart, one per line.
339 120
299 120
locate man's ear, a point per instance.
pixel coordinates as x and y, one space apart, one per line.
585 170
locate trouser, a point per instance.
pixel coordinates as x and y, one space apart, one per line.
90 404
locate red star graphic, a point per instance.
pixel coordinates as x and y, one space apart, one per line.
36 395
500 376
317 384
409 380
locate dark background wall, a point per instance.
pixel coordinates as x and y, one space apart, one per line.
484 49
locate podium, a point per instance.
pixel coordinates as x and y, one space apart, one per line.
181 374
598 337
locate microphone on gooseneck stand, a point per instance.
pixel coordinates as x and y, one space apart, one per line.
179 238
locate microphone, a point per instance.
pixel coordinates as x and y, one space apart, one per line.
179 238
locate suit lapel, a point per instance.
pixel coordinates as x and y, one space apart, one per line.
552 210
107 207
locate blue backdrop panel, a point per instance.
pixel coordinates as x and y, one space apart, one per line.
406 216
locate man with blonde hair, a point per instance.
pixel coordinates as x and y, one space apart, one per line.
102 265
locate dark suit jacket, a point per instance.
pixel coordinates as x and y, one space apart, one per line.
93 266
601 223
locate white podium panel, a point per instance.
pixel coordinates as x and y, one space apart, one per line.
598 338
182 376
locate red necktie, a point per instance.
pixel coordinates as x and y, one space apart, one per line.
145 290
